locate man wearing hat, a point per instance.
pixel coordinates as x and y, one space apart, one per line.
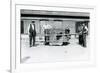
32 33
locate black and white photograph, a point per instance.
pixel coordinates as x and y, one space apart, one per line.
54 36
50 36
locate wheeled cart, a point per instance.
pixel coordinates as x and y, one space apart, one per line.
56 37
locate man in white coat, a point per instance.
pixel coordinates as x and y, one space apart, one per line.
47 28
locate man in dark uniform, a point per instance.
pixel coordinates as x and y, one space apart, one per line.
84 33
32 34
67 31
67 35
80 35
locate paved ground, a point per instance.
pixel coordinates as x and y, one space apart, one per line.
41 53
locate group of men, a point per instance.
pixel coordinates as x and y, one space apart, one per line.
32 34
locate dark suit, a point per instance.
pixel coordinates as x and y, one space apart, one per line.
47 36
84 33
32 35
80 37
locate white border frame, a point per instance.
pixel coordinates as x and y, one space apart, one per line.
15 47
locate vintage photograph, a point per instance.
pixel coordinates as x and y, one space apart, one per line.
54 36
